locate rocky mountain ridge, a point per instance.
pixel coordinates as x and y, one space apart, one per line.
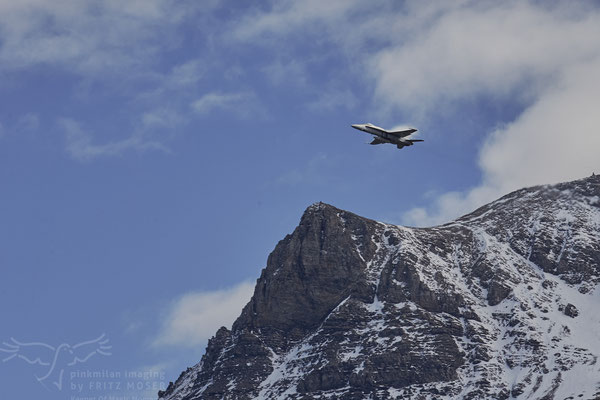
499 304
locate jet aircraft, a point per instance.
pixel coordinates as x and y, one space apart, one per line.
399 138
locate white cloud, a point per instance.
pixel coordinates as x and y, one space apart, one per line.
239 103
195 317
84 36
556 139
292 16
80 146
502 50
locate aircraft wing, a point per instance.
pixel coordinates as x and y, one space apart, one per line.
377 141
402 133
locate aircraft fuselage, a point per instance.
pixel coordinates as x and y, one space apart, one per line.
382 134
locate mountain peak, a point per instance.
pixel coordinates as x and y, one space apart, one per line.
319 206
320 210
499 304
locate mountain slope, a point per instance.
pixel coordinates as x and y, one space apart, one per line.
501 303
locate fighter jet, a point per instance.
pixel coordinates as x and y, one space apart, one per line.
384 136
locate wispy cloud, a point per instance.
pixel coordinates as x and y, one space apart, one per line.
80 146
178 83
195 317
329 100
106 49
161 118
27 123
285 17
74 33
289 72
156 115
239 103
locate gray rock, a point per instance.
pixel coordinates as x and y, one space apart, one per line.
571 311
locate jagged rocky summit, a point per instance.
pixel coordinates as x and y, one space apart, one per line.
503 303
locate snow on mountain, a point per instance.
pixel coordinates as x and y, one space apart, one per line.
499 304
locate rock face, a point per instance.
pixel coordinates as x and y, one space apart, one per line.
502 303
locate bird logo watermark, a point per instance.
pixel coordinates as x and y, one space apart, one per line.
52 361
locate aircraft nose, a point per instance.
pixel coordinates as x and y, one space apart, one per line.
355 126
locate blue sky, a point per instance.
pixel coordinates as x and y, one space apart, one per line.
152 153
